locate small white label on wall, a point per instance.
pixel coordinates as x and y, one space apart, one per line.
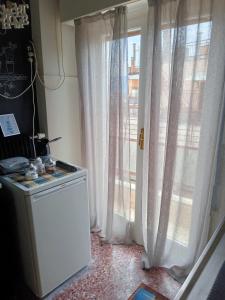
9 125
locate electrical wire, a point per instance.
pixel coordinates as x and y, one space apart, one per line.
34 109
23 92
63 69
37 75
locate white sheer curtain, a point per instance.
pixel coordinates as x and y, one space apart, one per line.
184 71
101 50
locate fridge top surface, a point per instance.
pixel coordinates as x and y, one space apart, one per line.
43 182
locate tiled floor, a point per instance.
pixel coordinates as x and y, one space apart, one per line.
114 274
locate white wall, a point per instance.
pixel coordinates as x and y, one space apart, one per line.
72 9
59 113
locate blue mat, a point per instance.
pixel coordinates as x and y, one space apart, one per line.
143 294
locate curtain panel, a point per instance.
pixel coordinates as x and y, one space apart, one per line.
184 76
101 51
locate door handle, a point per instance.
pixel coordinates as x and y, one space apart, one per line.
141 139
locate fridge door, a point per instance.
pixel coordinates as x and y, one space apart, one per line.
61 233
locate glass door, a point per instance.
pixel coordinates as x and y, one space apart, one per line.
136 110
134 40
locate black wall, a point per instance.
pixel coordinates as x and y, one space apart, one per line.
15 76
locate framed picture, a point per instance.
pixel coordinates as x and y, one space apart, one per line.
9 125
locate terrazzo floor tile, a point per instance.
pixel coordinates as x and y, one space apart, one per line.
113 274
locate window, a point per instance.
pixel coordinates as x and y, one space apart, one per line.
134 41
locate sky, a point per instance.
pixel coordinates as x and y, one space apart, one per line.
131 40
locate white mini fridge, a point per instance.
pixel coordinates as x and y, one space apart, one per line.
53 228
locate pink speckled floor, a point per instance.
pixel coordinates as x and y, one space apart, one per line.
114 273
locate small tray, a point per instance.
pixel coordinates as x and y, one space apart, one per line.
66 166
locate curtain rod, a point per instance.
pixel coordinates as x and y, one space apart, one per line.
105 10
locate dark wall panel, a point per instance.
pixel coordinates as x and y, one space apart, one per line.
15 75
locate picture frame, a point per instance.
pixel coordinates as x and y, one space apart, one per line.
9 125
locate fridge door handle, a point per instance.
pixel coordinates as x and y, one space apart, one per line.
58 187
